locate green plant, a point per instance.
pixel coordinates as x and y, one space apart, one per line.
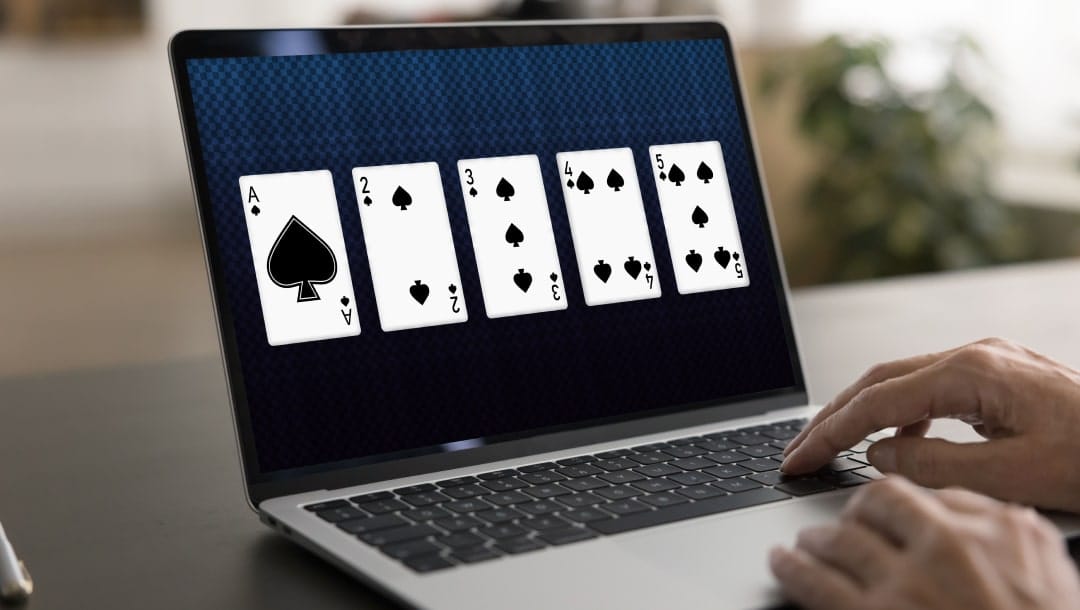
902 185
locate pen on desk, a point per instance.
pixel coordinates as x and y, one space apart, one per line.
15 582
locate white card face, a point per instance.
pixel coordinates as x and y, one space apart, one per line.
607 221
410 249
699 217
301 268
512 236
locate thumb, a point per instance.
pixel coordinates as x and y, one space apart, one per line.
935 462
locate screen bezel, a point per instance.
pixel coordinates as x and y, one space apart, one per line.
262 43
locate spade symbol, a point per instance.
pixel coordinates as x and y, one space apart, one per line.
602 270
367 200
419 291
704 172
570 183
344 301
523 280
699 217
632 267
472 192
722 256
514 236
648 266
255 210
585 183
402 198
735 256
694 260
663 175
615 180
554 277
453 288
504 189
676 174
301 258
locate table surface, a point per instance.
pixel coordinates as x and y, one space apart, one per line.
121 487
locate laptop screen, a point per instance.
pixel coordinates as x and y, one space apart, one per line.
427 250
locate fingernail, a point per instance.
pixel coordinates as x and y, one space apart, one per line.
882 456
785 466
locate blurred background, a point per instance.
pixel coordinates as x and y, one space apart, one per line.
897 138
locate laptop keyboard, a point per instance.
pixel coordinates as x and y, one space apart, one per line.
465 520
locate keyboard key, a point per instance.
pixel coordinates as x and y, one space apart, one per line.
584 484
500 515
781 445
804 487
699 492
726 471
466 491
379 507
844 479
620 492
726 457
428 563
862 446
658 470
736 485
456 482
428 513
497 474
696 463
575 461
372 524
426 498
689 510
460 540
371 497
759 451
689 440
649 447
615 464
780 434
457 524
576 472
543 522
414 489
475 554
683 452
343 513
859 457
514 546
691 478
653 457
502 531
507 498
579 499
761 464
568 535
546 491
586 515
542 478
655 485
408 550
607 455
716 445
625 507
328 505
506 484
539 507
467 506
398 534
843 464
663 499
537 467
773 477
621 476
749 439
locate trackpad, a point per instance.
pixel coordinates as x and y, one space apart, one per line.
727 555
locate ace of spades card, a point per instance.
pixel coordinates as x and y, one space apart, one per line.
608 225
298 252
410 248
699 216
512 236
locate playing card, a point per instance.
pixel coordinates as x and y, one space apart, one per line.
607 223
410 249
699 217
305 287
512 236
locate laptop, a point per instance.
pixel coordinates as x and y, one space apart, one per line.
502 310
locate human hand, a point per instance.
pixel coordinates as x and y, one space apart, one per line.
1026 404
899 546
